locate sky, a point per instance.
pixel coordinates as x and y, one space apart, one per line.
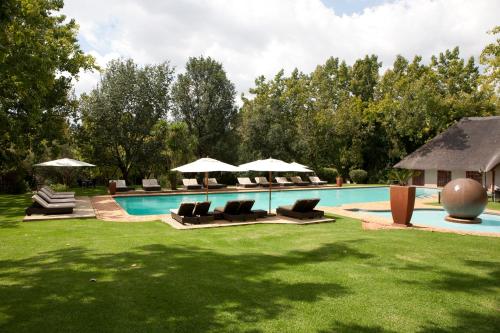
260 37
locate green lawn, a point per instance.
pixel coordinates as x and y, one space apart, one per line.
268 278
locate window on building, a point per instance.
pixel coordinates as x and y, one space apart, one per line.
418 178
474 175
443 177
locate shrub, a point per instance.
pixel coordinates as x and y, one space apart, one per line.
328 174
59 187
358 175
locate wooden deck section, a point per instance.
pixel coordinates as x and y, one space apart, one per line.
83 210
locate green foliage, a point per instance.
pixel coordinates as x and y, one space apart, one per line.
39 58
204 99
328 174
119 117
60 187
401 176
358 176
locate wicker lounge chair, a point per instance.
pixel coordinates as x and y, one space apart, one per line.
191 184
151 185
297 180
48 199
316 181
56 196
40 206
263 182
202 211
184 214
213 184
230 212
245 182
282 181
53 194
251 214
301 209
121 185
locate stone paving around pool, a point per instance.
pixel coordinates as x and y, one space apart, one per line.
360 211
82 210
107 209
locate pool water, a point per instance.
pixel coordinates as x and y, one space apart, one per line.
161 204
435 218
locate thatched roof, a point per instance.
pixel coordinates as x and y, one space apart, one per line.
472 144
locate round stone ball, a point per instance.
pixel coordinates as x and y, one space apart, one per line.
464 198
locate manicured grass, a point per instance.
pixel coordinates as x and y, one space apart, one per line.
268 278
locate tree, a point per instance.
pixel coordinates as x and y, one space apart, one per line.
118 117
204 99
39 58
364 77
490 58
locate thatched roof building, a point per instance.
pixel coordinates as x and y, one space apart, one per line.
470 148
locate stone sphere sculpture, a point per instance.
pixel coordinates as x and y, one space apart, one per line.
464 199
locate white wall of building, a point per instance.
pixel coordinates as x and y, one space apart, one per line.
430 177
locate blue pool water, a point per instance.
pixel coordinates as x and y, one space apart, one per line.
161 204
435 218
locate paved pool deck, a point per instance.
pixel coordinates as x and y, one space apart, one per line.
83 210
360 211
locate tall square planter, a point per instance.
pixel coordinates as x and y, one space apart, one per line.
402 204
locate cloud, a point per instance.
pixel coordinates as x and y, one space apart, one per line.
260 37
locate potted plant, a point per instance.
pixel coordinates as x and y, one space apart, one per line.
402 196
340 181
112 187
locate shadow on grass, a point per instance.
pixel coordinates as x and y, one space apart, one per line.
343 328
157 288
12 209
467 321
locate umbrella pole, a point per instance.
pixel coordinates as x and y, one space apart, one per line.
206 184
270 189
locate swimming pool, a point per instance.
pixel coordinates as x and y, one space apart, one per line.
161 204
435 218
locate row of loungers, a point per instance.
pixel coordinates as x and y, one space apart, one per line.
241 210
245 182
47 201
147 185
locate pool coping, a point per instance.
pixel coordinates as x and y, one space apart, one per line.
245 190
374 222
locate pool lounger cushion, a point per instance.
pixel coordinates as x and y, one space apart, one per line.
297 180
48 199
191 184
245 182
213 184
40 206
316 181
151 185
282 181
301 209
57 195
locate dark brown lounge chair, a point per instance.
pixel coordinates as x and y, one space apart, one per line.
301 209
316 181
57 195
251 214
230 211
263 182
48 199
213 184
41 206
184 214
201 210
151 185
297 180
191 184
245 182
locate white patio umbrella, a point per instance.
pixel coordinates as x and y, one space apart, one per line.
295 164
272 165
64 163
206 165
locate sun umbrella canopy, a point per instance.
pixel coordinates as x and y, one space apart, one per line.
295 164
273 165
207 165
65 162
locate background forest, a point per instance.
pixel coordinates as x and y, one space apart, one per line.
141 121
